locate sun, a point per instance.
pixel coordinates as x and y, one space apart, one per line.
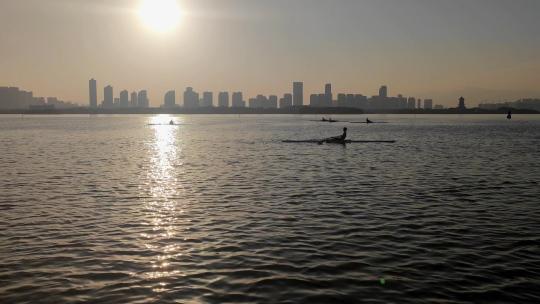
160 15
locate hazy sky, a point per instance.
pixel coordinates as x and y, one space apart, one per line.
423 48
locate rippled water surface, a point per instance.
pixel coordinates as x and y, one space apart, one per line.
109 209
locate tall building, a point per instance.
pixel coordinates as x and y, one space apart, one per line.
383 91
142 99
92 85
286 101
342 100
238 100
134 100
314 100
272 102
223 100
207 100
191 98
411 103
419 103
298 94
124 99
461 105
328 97
428 104
108 99
170 99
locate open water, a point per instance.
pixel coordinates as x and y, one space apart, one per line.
110 209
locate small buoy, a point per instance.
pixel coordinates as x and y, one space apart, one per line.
382 281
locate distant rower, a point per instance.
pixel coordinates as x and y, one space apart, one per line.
368 121
171 122
509 116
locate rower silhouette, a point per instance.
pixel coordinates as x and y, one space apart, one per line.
340 138
509 116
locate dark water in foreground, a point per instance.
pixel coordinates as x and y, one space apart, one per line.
110 210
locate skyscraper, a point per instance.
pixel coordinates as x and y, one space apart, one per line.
207 100
124 99
92 84
327 102
314 100
238 100
383 91
170 99
272 102
223 100
411 103
108 99
461 105
298 94
142 99
286 101
428 104
134 102
191 98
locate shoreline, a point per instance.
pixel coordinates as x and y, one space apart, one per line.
242 111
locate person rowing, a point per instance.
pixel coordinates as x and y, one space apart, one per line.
368 121
337 139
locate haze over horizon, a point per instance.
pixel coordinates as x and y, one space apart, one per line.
482 49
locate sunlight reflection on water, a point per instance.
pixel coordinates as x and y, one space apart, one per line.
165 189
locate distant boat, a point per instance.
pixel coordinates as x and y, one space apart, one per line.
509 116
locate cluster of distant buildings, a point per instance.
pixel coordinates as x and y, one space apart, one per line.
125 99
528 104
12 98
193 100
15 98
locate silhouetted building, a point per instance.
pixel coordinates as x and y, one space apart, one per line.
342 100
411 103
314 100
92 84
286 101
142 99
238 100
134 102
272 102
169 101
124 99
419 103
223 100
108 99
298 94
383 91
461 105
208 100
191 98
428 104
328 97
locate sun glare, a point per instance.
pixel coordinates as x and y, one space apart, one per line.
160 15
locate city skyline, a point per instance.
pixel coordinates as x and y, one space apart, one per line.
439 49
192 99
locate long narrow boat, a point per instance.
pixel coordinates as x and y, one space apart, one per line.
315 141
368 123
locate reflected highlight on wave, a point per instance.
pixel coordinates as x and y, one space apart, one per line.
164 202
